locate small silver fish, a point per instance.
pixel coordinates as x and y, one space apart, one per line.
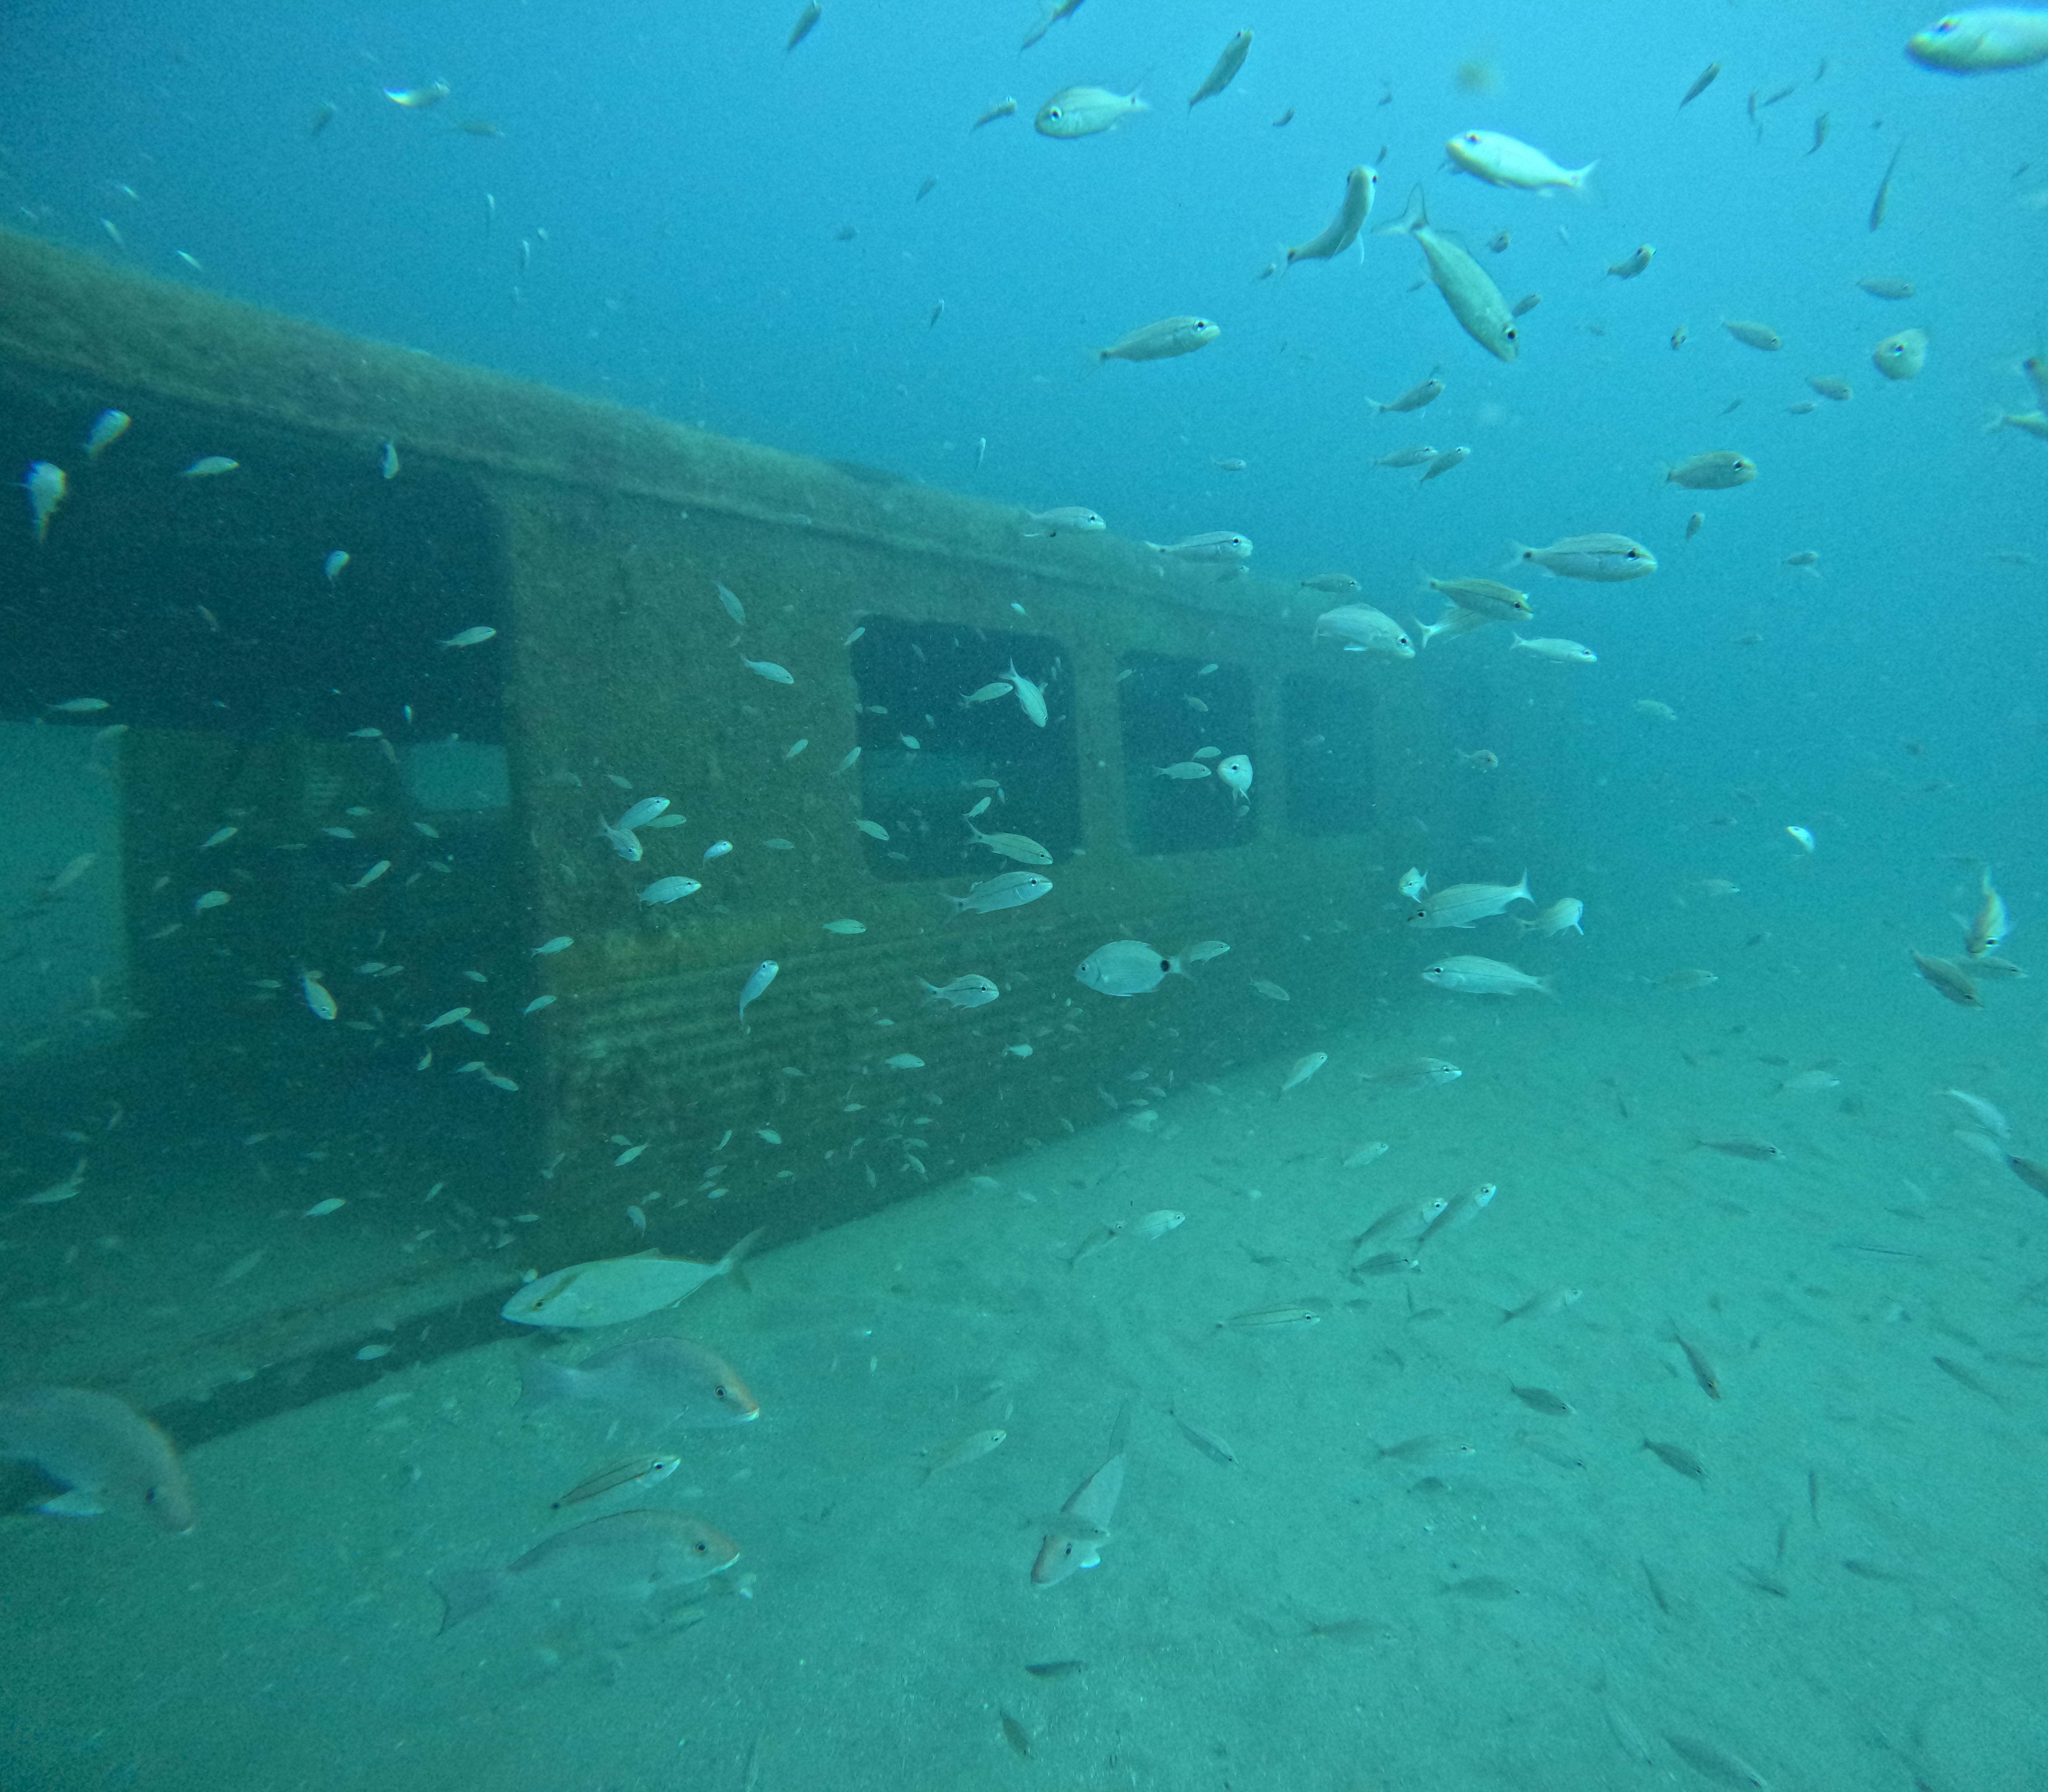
470 637
1225 71
1074 112
768 669
1162 341
962 992
635 1471
1414 399
1011 890
107 428
1001 109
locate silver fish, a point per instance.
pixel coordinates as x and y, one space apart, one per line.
1011 890
614 1289
1718 470
1483 977
1754 335
1126 967
1020 847
962 992
1163 340
1486 597
1342 231
1460 904
1414 399
1090 1507
1360 625
1085 112
628 1558
1217 545
1225 72
638 1472
1603 559
665 1381
1475 301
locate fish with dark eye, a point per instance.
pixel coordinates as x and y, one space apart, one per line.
1342 231
1474 300
628 1559
1718 470
1225 71
1074 112
108 1456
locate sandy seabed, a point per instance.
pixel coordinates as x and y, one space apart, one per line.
1853 1596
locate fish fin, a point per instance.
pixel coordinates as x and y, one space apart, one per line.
465 1591
1548 985
74 1503
1523 885
542 1383
729 1263
1120 1435
1415 218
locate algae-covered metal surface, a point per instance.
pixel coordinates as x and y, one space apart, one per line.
383 780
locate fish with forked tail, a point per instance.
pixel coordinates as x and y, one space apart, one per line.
1075 1541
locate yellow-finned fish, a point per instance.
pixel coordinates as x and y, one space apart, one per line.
1475 302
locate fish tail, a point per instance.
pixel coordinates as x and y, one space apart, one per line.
542 1383
1548 985
1521 889
465 1591
730 1263
1414 219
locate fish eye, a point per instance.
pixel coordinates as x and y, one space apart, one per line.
719 1392
701 1547
1052 112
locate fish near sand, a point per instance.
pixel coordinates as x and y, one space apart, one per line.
626 1559
1475 301
670 1381
108 1456
1070 1547
617 1289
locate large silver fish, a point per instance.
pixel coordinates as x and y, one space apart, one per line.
616 1289
110 1457
629 1558
1126 967
1605 559
1459 905
668 1381
1475 300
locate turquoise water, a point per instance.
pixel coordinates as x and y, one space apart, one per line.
1451 1549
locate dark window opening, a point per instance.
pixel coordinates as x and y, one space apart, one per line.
1177 714
208 606
1328 744
917 684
